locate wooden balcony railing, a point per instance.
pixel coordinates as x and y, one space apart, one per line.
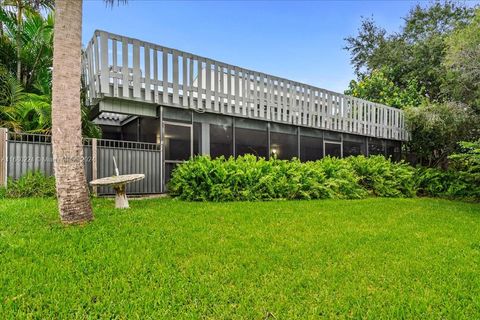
126 68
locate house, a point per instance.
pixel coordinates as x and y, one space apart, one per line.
192 105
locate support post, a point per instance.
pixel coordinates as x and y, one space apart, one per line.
299 147
268 142
366 147
205 139
94 165
234 139
162 156
3 156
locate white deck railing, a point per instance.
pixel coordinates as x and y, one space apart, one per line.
165 76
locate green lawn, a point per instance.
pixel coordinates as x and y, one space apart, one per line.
375 258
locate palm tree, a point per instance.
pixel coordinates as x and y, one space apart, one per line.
22 111
72 192
19 8
35 52
27 107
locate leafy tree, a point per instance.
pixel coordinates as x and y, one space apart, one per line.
35 51
433 60
365 46
416 53
436 130
438 19
463 59
17 10
377 87
21 111
26 106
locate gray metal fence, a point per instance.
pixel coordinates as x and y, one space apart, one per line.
28 152
33 152
131 157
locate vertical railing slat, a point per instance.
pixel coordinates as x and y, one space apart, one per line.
104 72
199 84
165 75
125 71
146 60
115 67
136 69
216 89
175 78
229 90
190 81
91 75
208 84
256 95
237 90
155 76
261 93
245 76
184 81
97 64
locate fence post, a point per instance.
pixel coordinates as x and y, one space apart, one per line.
3 156
94 163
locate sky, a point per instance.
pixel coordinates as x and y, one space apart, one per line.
297 40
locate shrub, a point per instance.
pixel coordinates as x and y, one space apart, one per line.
249 178
436 129
461 180
432 182
384 178
32 184
466 164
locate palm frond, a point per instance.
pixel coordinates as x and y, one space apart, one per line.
111 3
11 91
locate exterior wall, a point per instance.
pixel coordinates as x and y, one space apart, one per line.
191 105
183 133
178 136
230 136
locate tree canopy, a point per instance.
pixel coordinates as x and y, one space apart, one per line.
431 69
415 55
26 45
462 59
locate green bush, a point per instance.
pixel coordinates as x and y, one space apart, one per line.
466 165
248 178
32 184
384 178
432 182
461 180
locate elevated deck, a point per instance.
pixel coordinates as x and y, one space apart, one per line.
128 69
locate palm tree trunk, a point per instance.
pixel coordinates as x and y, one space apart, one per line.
72 190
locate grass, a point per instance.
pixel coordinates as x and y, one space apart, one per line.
374 258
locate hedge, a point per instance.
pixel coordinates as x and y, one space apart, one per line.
248 178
